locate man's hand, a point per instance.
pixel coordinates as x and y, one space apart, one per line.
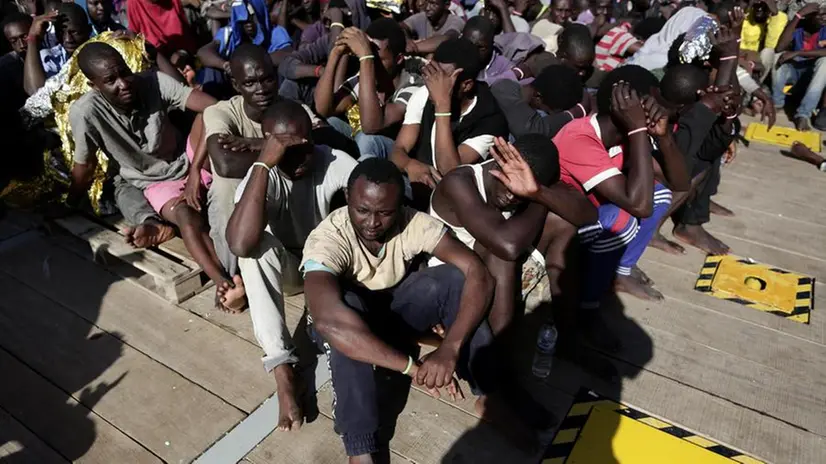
356 40
657 117
411 48
500 6
422 173
192 191
436 368
768 112
227 68
737 16
513 171
728 41
809 8
716 98
771 4
339 49
440 85
627 108
785 57
234 143
276 146
40 24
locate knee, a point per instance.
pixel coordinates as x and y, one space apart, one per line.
820 68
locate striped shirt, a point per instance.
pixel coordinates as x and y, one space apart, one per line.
612 47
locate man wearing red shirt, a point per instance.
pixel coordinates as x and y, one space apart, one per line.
609 158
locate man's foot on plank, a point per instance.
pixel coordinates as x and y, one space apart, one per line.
149 233
290 415
698 237
661 243
230 295
640 275
719 210
633 286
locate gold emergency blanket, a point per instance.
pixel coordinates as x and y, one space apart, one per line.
69 85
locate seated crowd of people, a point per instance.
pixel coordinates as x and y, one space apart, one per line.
412 167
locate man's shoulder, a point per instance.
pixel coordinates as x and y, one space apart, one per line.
85 106
455 21
224 108
572 136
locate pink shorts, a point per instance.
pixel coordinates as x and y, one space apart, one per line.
160 193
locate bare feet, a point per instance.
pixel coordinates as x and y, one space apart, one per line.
231 296
698 237
638 274
802 124
635 287
290 416
661 243
148 234
720 210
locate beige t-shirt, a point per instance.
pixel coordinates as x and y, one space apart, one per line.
549 33
334 247
229 117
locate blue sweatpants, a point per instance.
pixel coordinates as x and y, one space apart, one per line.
616 243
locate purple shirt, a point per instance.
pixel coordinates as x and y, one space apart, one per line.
312 33
498 68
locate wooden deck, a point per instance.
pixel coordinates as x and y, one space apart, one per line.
96 369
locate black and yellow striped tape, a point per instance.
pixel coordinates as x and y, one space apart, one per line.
571 427
798 310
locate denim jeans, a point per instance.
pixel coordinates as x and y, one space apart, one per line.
811 71
370 146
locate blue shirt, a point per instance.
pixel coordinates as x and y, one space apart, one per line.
279 39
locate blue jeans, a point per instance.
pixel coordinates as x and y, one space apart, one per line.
813 71
370 146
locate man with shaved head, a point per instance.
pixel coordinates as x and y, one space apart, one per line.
286 192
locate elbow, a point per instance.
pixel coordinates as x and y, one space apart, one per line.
219 166
644 211
242 246
507 251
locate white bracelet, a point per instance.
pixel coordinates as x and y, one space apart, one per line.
584 113
823 166
262 164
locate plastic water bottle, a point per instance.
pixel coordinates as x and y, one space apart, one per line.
545 347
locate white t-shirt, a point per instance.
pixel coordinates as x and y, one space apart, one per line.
413 115
296 207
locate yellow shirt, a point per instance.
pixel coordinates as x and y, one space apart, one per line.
756 37
334 247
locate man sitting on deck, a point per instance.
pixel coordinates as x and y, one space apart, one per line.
513 212
286 193
125 116
363 297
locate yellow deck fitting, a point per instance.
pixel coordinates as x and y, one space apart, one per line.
598 430
758 286
782 136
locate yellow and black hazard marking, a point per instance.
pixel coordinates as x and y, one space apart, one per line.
759 286
598 430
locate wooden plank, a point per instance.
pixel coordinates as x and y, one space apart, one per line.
203 305
154 405
67 426
18 445
742 381
430 431
195 348
722 420
756 226
173 281
316 443
739 192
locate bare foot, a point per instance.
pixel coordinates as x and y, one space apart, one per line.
290 416
638 274
635 287
230 296
802 124
698 237
150 233
720 210
661 243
